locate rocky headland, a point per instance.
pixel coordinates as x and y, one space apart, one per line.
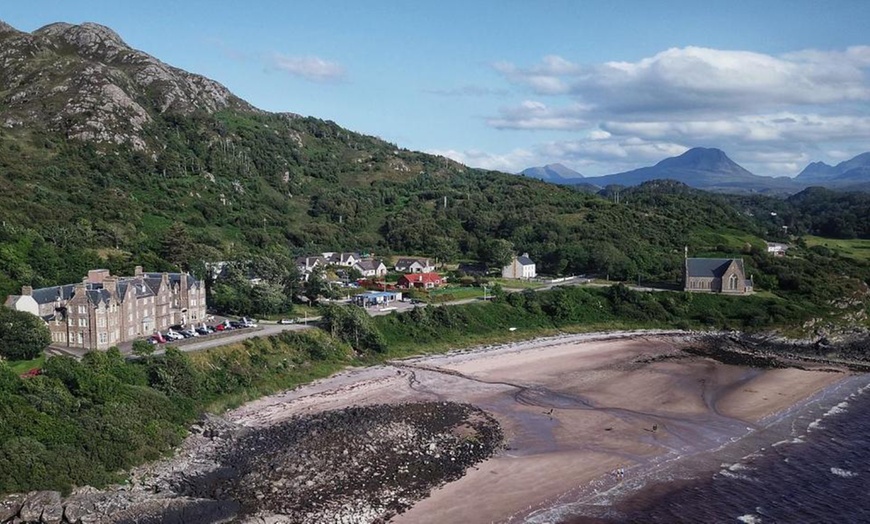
359 464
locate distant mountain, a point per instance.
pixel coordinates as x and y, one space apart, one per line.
852 172
702 168
554 173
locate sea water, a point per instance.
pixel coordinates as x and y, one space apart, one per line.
810 464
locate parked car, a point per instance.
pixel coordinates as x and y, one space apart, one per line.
285 321
247 322
202 330
236 325
174 335
189 333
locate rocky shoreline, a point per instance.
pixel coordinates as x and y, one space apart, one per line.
767 351
359 464
354 464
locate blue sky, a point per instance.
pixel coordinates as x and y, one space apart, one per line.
598 86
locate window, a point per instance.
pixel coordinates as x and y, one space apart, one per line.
101 322
103 338
79 338
83 322
732 282
82 310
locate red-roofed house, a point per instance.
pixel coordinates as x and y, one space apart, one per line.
420 280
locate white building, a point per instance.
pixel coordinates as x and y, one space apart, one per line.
520 267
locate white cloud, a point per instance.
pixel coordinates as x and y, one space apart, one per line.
703 80
778 127
310 68
771 113
532 114
511 162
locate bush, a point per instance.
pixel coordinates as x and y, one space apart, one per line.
22 336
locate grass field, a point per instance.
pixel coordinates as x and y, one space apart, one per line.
22 366
856 248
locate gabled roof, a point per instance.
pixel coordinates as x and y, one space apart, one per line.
47 295
175 279
310 261
369 265
525 260
407 261
422 277
95 296
710 267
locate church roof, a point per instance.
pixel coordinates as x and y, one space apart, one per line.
710 267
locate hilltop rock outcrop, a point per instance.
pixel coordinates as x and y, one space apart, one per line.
85 81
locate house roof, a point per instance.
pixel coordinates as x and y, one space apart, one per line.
407 261
310 261
146 285
422 277
710 267
175 279
95 296
369 265
525 260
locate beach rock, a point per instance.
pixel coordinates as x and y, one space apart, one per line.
10 505
36 502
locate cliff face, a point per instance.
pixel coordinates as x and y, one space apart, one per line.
86 82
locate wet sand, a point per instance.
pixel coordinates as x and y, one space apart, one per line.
573 409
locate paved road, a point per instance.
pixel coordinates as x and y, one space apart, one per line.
238 335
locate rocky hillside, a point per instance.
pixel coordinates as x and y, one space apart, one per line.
84 81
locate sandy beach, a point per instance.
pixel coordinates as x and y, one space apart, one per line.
573 409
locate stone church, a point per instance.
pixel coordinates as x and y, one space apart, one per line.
716 275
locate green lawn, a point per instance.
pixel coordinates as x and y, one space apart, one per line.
517 284
22 366
856 248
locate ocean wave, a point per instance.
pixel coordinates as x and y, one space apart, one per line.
836 410
749 518
845 473
736 476
816 424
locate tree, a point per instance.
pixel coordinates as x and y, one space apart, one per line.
22 336
353 325
142 349
496 252
177 247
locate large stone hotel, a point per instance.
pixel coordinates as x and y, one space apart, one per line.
104 310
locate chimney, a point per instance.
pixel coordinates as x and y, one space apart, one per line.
96 276
27 291
138 271
110 283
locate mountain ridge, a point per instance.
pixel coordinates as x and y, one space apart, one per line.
86 82
553 173
701 168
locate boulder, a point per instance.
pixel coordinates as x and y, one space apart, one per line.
53 513
10 505
36 502
78 508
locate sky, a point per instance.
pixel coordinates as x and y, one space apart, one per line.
599 86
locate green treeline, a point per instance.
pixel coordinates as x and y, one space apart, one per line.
580 308
234 186
86 422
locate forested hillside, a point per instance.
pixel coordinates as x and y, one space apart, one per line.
208 177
